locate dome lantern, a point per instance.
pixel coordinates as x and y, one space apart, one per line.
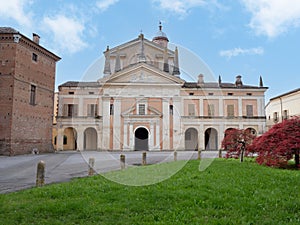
161 37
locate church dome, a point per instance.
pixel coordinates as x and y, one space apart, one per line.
160 34
161 37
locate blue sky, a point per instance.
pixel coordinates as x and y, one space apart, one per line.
248 37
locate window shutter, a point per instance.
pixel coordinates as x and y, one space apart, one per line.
89 110
191 110
65 110
249 110
75 110
211 110
230 110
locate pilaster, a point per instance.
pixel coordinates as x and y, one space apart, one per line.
166 125
117 124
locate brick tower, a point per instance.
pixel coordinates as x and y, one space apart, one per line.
27 79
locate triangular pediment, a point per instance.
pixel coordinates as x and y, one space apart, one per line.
152 112
142 73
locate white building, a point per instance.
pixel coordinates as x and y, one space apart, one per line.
141 103
283 107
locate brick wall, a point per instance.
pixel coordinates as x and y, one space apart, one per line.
29 125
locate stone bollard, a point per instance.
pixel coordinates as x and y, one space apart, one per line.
220 153
91 166
40 174
199 154
122 161
144 161
175 155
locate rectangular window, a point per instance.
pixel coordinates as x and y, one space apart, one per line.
230 110
275 117
32 95
34 57
191 109
249 109
142 109
211 110
70 110
171 110
111 109
92 110
285 114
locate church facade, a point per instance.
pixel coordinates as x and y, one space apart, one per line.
142 103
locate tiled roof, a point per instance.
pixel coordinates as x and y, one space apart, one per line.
80 84
8 30
285 94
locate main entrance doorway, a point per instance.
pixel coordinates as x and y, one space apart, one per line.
141 137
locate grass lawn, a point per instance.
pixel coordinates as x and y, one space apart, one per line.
227 192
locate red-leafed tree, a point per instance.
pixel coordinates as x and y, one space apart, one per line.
280 144
236 143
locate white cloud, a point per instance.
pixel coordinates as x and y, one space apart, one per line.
240 51
105 4
14 9
273 17
179 6
67 33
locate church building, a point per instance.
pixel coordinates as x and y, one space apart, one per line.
143 103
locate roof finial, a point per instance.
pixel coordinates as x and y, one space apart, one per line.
176 71
118 62
160 26
166 61
107 70
261 83
141 57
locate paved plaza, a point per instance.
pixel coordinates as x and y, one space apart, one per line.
19 172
